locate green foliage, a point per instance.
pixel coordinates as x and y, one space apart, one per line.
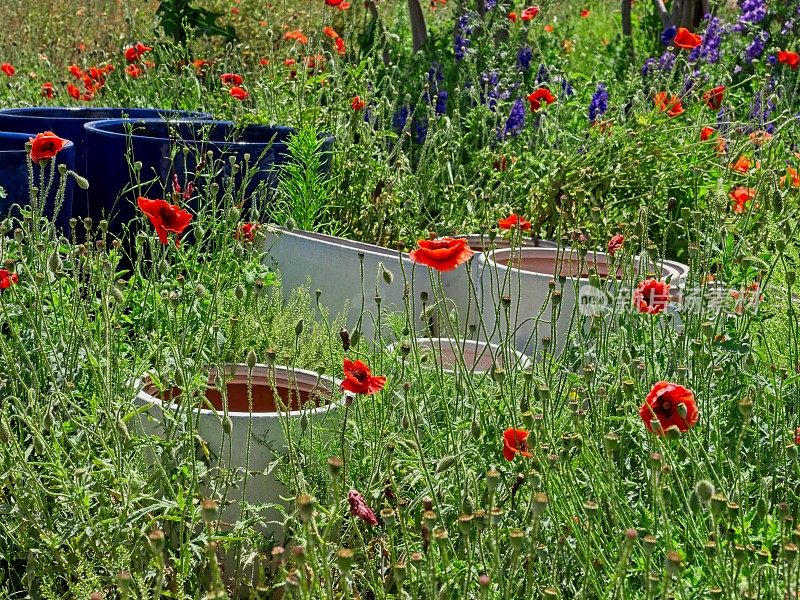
182 21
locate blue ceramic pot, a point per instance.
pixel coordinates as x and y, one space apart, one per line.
159 146
68 122
14 177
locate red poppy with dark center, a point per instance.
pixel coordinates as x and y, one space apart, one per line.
584 12
247 231
669 104
238 93
741 196
651 296
165 217
48 91
538 96
357 103
615 243
7 279
131 55
790 59
686 39
513 220
45 146
529 13
231 79
7 69
706 132
670 404
442 254
358 379
713 97
512 16
515 441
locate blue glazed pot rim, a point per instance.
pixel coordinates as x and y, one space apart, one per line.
112 128
24 137
83 113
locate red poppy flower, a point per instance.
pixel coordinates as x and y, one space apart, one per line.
7 69
7 279
343 6
791 59
672 405
296 35
131 55
651 296
76 71
713 97
357 103
797 436
48 91
741 196
231 79
540 95
442 254
360 509
73 91
238 93
133 71
142 49
340 47
792 177
247 231
45 146
263 62
707 132
330 32
549 28
165 217
743 164
358 379
759 138
529 13
615 243
513 220
584 12
515 441
512 16
669 104
686 39
333 2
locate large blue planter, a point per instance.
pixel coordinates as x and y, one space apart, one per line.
68 122
14 178
159 146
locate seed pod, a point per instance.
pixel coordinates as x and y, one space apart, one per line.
305 507
156 541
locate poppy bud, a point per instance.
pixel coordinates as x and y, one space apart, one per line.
5 431
290 225
388 276
305 507
344 560
745 406
673 563
122 430
303 422
80 181
124 581
270 355
445 463
156 541
704 490
791 277
227 425
516 537
496 515
539 503
475 429
355 337
251 359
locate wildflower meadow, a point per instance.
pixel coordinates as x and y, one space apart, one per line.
399 299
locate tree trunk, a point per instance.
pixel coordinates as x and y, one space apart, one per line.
419 32
627 26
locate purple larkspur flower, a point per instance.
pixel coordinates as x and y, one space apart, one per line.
599 104
753 11
441 103
489 4
708 50
542 75
668 35
667 61
400 117
757 46
566 86
515 121
648 66
524 57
